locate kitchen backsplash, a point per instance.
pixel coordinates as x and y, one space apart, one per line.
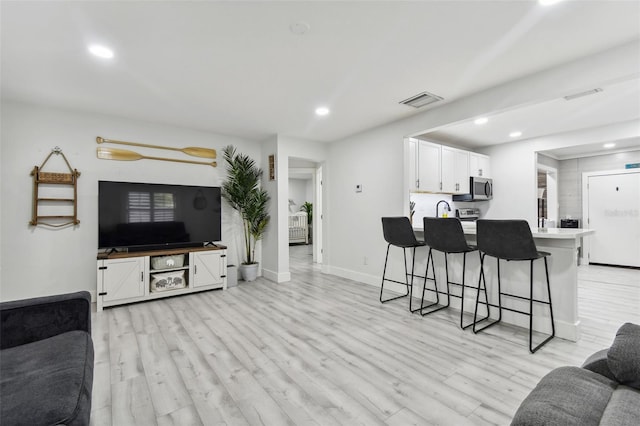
426 206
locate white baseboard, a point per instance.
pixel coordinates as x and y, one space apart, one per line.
276 277
352 275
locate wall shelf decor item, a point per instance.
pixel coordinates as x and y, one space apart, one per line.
125 155
44 182
272 167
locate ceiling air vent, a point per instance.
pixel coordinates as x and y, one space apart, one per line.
421 99
581 94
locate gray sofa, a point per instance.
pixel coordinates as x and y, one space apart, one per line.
46 353
605 391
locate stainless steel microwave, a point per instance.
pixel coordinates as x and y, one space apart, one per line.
480 189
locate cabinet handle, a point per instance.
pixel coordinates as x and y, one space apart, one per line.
195 269
417 183
480 172
441 186
142 276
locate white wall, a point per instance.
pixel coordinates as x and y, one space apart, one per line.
374 160
278 207
40 261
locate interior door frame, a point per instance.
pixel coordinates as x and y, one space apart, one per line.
553 211
585 204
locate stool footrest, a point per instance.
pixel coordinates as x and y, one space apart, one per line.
397 282
440 307
509 309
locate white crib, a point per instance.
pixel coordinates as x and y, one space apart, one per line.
298 228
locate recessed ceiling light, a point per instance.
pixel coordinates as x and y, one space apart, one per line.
101 51
609 145
481 120
515 134
548 2
322 111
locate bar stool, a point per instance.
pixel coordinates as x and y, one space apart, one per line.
398 232
446 236
510 240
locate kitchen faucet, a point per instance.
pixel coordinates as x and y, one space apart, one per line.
446 207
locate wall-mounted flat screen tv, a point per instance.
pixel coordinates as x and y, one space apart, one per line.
145 216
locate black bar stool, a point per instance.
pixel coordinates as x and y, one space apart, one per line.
510 240
398 232
445 235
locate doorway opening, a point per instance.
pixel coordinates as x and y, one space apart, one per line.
305 212
547 196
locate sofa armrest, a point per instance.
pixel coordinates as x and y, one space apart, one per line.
598 364
30 320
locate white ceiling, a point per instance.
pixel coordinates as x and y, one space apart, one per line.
235 68
616 103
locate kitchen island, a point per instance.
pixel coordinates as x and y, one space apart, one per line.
562 243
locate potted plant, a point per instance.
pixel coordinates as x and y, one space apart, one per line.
307 207
242 190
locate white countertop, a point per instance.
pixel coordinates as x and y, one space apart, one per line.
551 233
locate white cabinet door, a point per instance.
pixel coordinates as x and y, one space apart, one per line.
208 268
455 170
479 165
122 278
413 165
428 167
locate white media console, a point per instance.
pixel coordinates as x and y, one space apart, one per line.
138 276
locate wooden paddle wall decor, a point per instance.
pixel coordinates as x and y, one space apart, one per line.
47 190
126 155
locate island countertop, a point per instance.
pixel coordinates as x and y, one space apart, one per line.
469 228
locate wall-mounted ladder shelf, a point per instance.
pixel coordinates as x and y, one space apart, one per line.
42 181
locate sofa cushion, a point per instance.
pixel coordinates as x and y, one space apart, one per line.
566 396
624 355
623 408
48 381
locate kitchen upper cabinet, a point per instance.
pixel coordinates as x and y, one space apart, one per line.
438 168
455 170
428 167
479 165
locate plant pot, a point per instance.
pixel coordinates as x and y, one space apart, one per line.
249 272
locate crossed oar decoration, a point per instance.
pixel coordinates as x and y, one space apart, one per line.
126 155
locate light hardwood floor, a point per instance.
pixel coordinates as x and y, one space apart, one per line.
322 350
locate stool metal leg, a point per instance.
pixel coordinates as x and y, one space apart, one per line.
398 282
435 283
462 326
553 328
482 280
446 271
413 265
